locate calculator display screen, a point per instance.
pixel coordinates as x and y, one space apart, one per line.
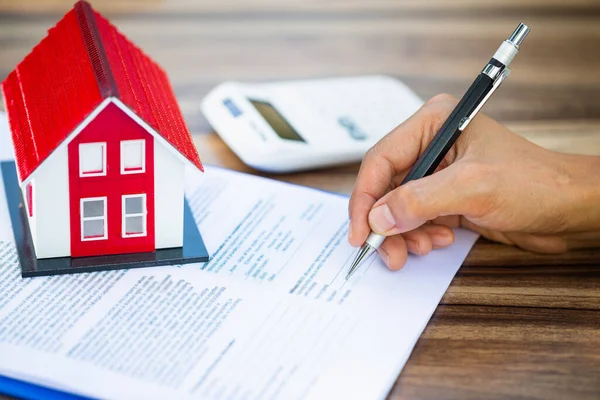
279 124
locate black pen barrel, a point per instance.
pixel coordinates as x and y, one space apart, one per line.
435 152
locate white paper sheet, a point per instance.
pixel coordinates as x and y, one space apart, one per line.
269 317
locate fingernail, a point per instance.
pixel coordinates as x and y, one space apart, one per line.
350 230
413 246
384 256
381 219
441 240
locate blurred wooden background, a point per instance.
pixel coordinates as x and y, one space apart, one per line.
433 45
512 324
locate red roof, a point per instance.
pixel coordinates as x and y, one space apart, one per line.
83 60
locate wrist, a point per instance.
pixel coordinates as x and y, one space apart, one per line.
583 193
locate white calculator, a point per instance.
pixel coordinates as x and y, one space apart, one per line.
307 124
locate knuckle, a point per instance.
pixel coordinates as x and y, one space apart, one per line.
377 157
375 152
372 152
359 205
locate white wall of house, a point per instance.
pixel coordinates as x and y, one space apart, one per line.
51 222
169 174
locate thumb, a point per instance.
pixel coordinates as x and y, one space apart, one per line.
447 192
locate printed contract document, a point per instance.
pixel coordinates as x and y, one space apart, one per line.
269 317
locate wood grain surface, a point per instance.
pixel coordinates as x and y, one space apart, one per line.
512 324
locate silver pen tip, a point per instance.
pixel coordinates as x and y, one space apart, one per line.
351 271
362 253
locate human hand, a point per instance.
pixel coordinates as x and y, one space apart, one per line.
492 181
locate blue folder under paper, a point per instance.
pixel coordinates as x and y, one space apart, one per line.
29 391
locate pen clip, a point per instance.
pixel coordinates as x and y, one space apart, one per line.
463 124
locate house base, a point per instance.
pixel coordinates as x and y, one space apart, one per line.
193 249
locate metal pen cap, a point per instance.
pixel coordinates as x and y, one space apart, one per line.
518 35
510 47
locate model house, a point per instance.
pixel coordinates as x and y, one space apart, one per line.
100 142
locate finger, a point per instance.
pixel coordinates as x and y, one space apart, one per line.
456 190
427 237
358 211
486 233
458 221
440 235
393 154
393 252
418 241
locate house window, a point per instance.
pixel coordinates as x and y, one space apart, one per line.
92 159
133 157
29 196
93 218
134 215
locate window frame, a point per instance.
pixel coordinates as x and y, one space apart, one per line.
141 170
103 217
93 173
143 214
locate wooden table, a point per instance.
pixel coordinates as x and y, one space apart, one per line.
512 324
